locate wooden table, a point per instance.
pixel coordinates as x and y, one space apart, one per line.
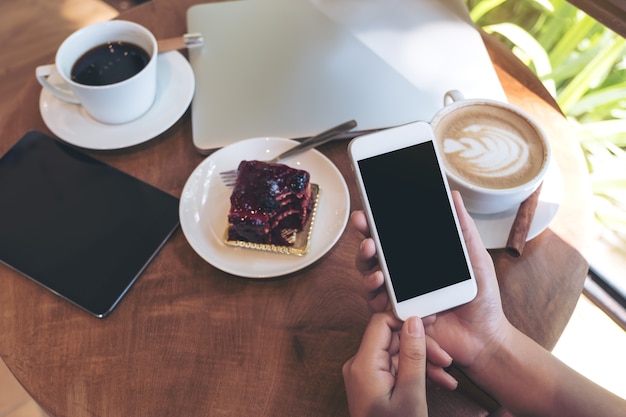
190 340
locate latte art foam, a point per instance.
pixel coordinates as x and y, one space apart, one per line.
489 149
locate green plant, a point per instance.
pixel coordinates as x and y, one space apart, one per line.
583 65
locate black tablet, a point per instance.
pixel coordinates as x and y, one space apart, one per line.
77 226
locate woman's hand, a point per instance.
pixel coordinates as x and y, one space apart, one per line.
521 375
387 376
464 332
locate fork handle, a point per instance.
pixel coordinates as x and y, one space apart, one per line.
317 140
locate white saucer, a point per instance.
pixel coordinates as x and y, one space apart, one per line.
494 228
205 202
175 89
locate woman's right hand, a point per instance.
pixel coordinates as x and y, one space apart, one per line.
466 332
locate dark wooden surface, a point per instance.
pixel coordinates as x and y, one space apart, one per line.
190 340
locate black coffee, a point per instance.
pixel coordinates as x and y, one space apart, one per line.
109 63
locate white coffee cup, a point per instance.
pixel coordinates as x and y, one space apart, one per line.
494 153
119 101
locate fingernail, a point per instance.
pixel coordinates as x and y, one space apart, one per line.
414 327
455 384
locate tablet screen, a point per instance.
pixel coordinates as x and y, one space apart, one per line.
77 226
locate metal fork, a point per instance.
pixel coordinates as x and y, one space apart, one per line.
229 177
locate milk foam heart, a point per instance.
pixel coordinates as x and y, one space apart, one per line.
489 151
487 147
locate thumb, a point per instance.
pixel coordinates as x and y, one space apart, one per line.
412 359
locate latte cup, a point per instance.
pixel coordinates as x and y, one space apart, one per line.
494 154
108 68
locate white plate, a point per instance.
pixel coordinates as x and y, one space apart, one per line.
205 202
175 88
494 228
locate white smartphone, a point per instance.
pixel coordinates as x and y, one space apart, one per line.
412 220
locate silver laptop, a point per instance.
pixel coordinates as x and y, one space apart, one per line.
293 68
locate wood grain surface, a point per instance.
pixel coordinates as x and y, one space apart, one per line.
190 340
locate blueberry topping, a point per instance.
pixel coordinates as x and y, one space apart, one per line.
269 204
272 188
298 182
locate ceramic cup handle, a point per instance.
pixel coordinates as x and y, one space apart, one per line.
60 90
452 96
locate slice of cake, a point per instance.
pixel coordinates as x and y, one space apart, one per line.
269 202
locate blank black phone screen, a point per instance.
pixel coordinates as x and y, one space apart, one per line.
414 220
77 226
